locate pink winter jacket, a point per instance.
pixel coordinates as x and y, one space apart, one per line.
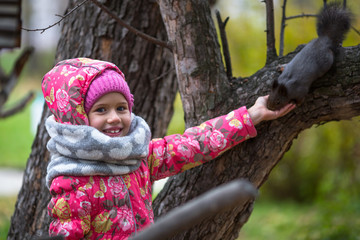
116 207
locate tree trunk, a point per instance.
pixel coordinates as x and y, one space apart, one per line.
148 68
206 93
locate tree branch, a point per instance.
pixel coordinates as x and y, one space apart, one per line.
206 206
225 45
9 82
58 22
132 29
112 15
270 32
18 107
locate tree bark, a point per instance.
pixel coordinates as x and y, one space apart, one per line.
149 70
207 93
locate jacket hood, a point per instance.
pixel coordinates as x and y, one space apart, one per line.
65 87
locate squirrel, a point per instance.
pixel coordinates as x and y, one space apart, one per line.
314 60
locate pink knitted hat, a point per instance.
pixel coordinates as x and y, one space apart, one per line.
106 82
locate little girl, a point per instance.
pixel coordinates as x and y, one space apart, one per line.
103 162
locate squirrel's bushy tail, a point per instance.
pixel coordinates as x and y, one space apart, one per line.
334 21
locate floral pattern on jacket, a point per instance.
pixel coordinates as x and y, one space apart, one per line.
115 207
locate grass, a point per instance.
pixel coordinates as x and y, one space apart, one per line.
16 137
15 140
7 206
277 221
289 220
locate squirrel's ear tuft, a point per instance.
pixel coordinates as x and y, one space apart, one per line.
282 90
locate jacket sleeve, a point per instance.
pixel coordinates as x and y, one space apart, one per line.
176 153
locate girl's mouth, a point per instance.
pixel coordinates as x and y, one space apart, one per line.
112 132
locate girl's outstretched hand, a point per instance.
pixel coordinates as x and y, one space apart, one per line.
259 111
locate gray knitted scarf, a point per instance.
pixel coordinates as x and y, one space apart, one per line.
81 150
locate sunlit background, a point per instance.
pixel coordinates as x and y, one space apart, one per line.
313 193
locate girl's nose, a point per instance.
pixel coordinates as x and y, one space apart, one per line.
113 117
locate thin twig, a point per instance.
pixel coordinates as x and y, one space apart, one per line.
225 45
301 16
130 28
270 32
58 22
163 74
357 31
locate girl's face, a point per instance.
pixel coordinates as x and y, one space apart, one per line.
110 115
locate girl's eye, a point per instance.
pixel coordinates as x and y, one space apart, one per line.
120 108
100 110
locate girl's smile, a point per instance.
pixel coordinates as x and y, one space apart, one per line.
112 132
110 115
